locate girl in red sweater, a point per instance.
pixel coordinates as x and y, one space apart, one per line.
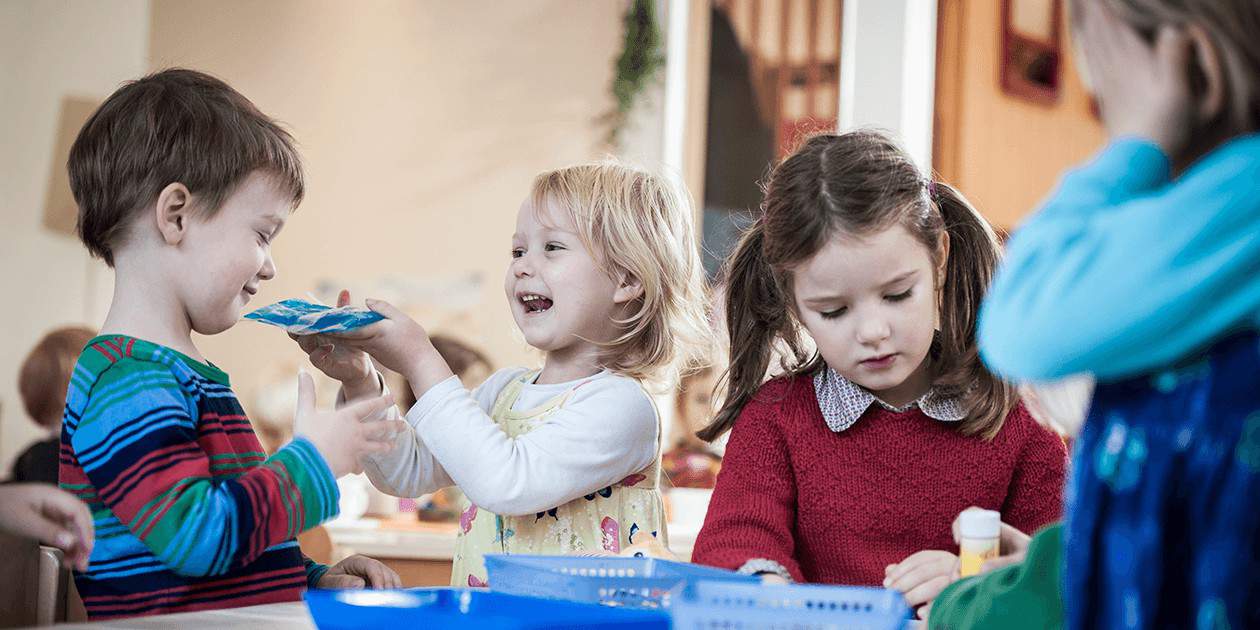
851 466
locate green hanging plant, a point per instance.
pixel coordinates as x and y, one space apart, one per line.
638 65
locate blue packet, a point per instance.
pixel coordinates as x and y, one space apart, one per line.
308 318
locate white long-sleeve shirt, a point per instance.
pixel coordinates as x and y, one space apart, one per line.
606 430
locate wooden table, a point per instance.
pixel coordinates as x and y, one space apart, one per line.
287 616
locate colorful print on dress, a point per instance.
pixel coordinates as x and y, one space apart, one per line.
603 492
466 518
503 533
611 534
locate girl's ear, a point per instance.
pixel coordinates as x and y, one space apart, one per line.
629 288
942 264
172 212
1206 63
942 259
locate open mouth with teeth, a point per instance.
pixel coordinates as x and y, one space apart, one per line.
535 303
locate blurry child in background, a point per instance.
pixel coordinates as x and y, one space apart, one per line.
42 383
691 462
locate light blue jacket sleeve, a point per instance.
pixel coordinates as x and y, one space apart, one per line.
1124 270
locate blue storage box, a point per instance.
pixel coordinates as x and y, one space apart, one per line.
636 582
735 606
453 608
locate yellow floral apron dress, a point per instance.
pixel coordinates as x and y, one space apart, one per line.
606 520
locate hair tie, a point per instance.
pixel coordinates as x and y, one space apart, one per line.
931 189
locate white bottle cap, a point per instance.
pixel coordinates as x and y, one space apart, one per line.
978 523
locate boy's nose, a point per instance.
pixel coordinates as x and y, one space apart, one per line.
268 270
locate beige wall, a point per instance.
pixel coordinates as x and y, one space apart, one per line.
421 123
49 51
1005 153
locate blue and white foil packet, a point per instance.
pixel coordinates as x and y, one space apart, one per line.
308 318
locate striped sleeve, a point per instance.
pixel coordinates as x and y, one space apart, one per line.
314 571
137 442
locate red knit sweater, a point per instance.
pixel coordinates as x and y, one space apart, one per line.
839 507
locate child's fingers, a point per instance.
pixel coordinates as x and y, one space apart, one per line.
918 573
369 407
311 343
910 563
1095 22
377 574
62 520
1001 561
386 309
343 298
381 576
926 591
77 518
1011 540
348 337
375 448
1172 49
341 581
306 392
925 611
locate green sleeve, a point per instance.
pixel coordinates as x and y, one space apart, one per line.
1025 596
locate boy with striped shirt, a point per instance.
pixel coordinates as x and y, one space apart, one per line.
182 185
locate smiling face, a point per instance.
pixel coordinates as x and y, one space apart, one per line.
870 305
227 256
561 298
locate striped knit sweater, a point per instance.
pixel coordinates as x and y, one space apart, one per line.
190 514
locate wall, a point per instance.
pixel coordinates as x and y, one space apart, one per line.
49 52
1005 153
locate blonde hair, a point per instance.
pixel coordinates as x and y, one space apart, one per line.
640 224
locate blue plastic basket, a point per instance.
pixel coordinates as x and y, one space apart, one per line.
467 608
734 606
637 582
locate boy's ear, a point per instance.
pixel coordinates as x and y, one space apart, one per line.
628 289
173 211
1207 64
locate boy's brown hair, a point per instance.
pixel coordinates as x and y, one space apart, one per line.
45 374
172 126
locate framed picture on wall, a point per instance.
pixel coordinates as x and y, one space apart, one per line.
1031 54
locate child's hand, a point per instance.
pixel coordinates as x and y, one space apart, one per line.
773 579
922 576
349 365
50 515
1012 546
344 435
1143 90
400 344
357 572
